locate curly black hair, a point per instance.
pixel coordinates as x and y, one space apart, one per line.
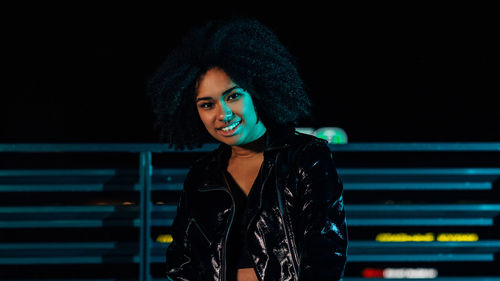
251 55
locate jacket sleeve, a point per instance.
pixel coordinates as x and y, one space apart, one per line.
322 230
180 266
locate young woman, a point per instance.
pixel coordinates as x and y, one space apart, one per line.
267 203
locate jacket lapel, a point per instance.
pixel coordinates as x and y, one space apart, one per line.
213 178
276 140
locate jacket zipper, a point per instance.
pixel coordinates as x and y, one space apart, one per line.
292 250
223 271
228 229
260 196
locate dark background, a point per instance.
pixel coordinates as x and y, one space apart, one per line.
76 73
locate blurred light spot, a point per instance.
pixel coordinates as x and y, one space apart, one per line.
164 238
405 237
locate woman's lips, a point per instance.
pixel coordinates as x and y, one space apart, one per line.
230 132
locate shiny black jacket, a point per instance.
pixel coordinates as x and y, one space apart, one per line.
296 228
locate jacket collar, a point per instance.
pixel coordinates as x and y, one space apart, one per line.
275 139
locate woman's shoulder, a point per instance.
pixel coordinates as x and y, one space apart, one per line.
310 150
305 147
306 142
203 165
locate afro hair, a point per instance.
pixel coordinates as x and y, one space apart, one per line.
251 55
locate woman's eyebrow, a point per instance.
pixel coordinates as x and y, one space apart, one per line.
223 93
229 90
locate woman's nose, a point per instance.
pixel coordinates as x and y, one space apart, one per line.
226 113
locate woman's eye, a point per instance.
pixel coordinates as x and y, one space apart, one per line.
206 105
233 96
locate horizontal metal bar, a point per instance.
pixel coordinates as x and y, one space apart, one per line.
177 186
164 208
158 148
66 172
62 245
492 245
109 279
422 258
78 279
83 187
69 209
162 222
400 258
184 171
358 244
419 171
424 208
379 171
74 212
161 259
420 222
82 223
99 147
352 222
384 215
378 186
417 185
72 252
468 278
69 260
170 171
68 223
416 146
174 186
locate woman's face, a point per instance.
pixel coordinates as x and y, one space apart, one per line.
226 110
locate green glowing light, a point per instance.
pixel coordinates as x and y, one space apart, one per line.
333 135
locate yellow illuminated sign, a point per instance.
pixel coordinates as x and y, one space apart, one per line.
164 238
404 237
427 237
461 237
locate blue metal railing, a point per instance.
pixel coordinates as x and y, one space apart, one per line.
145 179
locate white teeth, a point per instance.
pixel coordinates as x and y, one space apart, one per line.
229 128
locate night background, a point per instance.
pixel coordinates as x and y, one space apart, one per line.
392 76
382 73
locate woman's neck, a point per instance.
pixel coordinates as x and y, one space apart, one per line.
249 150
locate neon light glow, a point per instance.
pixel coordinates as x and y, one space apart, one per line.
335 135
427 237
410 273
164 238
332 134
400 273
372 273
404 237
457 237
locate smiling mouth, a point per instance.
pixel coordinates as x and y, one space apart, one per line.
230 127
230 130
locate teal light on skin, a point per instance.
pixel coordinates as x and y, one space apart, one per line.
221 102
